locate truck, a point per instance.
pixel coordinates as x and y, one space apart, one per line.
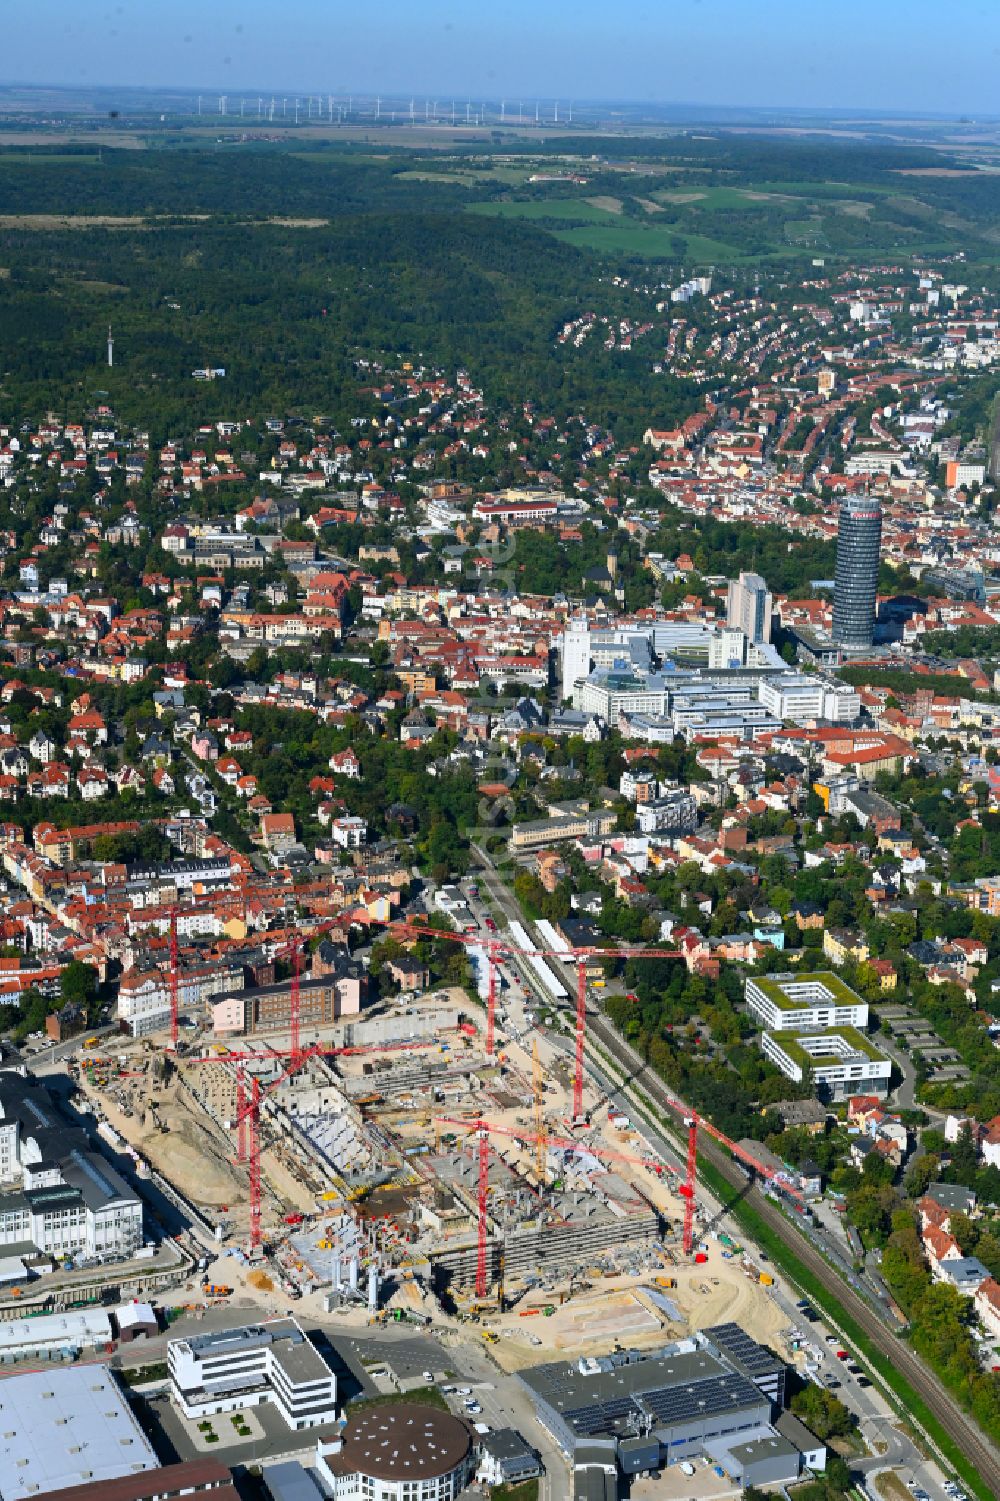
665 1281
766 1280
217 1290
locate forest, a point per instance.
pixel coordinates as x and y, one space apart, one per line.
287 310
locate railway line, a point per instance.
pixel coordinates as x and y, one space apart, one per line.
959 1427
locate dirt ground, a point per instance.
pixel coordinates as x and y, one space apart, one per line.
620 1308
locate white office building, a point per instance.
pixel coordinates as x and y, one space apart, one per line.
793 1002
62 1198
840 1061
609 694
235 1369
814 1023
801 698
403 1452
575 656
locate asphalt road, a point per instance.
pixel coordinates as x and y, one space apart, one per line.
897 1354
961 1429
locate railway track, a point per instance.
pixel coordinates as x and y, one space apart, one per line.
973 1444
960 1428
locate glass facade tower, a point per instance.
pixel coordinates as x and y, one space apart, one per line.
859 538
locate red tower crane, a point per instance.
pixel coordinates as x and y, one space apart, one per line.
498 946
295 1000
482 1204
567 1143
241 1114
256 1238
173 978
581 1027
248 1104
491 1004
687 1187
483 1129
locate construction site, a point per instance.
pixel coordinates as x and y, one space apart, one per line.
431 1161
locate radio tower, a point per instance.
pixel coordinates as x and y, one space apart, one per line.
111 348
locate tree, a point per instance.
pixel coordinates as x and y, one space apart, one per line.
820 1410
921 1172
78 984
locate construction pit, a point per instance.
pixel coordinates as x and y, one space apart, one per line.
371 1158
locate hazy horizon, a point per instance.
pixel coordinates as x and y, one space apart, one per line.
779 55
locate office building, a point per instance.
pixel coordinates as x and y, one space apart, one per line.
814 1024
803 698
859 538
239 1368
68 1426
57 1195
402 1452
575 655
748 607
794 1003
840 1061
715 1395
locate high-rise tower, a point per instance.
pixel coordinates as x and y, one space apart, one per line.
859 538
748 607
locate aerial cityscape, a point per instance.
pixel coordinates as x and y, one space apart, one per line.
499 758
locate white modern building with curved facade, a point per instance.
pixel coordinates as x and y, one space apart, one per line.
402 1452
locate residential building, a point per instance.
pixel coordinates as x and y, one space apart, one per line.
748 607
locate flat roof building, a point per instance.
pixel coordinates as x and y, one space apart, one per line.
239 1368
793 1002
69 1426
749 606
170 1483
684 1396
56 1192
717 1393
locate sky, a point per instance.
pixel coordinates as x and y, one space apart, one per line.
927 56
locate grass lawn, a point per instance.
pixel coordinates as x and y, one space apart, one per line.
593 228
527 1491
426 1396
891 1487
